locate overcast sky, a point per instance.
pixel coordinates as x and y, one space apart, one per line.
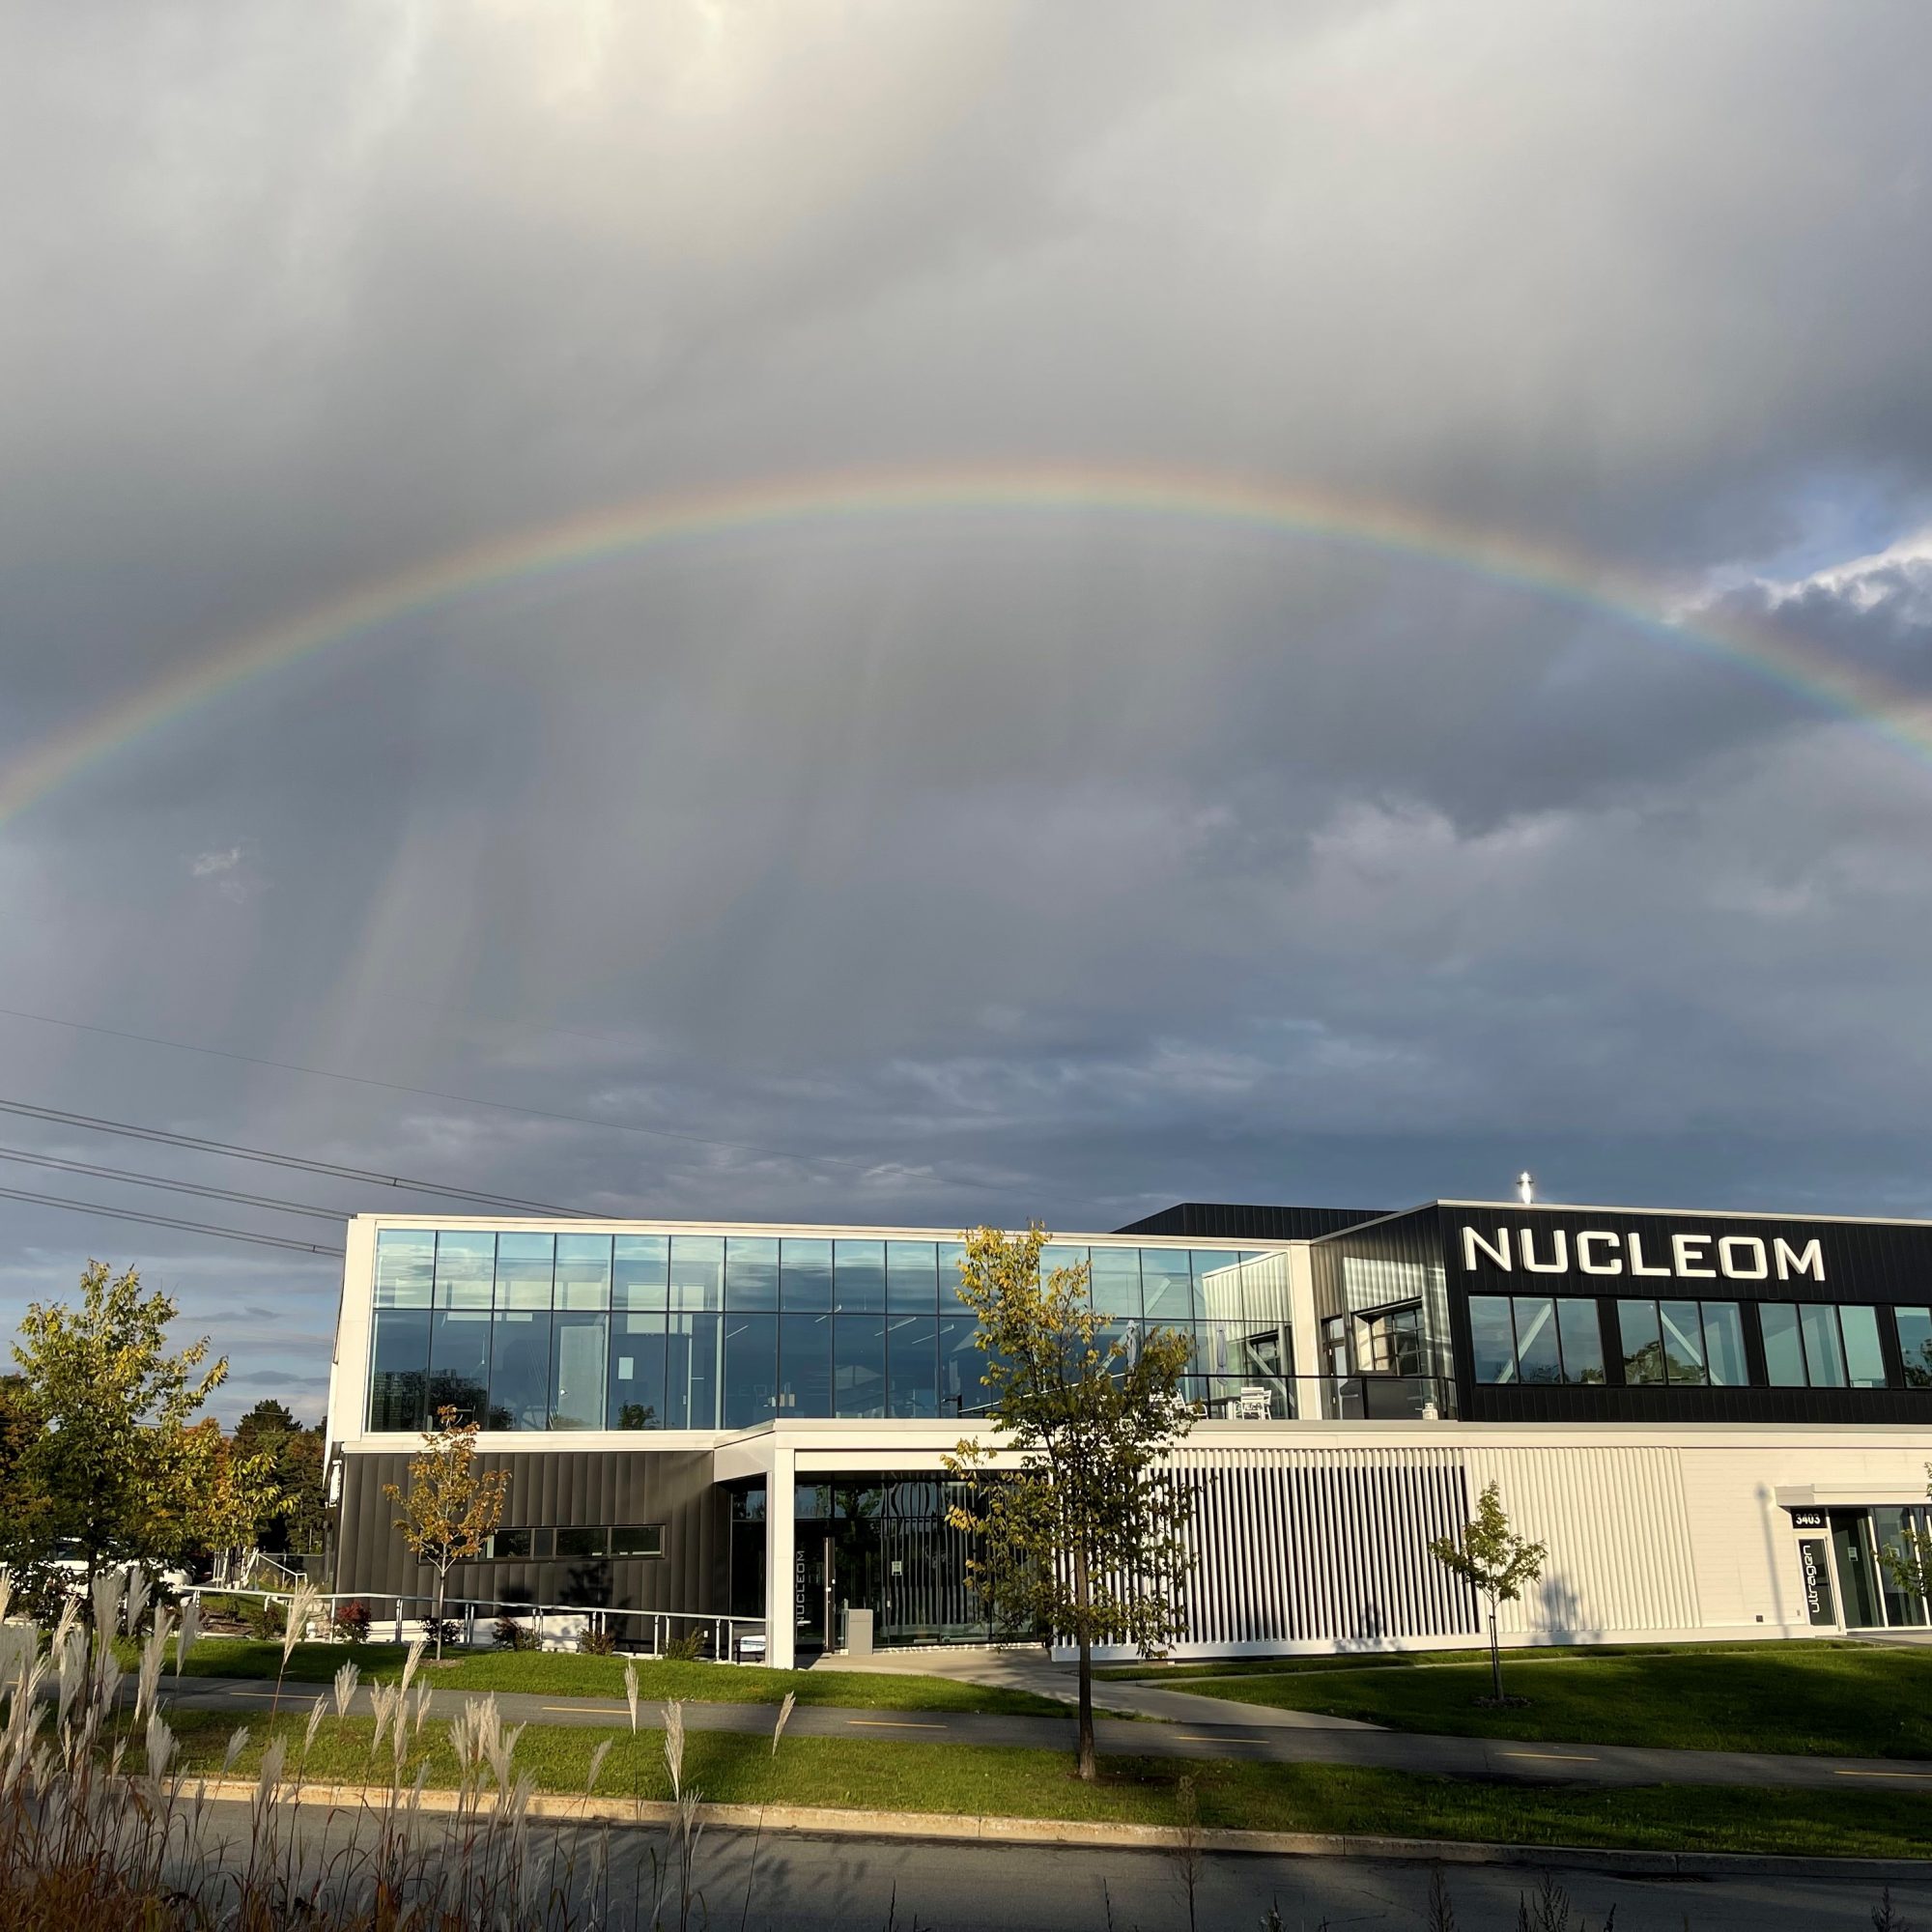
960 866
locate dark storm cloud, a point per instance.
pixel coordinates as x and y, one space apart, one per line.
937 867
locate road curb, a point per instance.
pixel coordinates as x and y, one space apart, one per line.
835 1822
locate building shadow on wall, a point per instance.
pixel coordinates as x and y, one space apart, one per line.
1559 1614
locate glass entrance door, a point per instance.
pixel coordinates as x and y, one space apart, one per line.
1858 1587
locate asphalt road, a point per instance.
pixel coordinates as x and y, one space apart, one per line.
801 1884
1493 1759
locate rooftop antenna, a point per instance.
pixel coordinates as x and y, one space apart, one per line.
1525 1187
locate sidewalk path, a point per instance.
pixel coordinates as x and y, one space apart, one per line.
1231 1735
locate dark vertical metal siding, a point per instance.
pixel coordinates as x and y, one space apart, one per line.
1219 1221
565 1487
1884 1263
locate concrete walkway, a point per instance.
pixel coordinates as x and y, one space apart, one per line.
1028 1667
1229 1735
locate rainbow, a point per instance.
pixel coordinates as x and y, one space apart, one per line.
1159 496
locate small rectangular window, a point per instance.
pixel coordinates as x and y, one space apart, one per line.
1915 1344
1784 1352
1492 1345
581 1541
638 1539
508 1546
543 1543
1724 1344
1582 1341
1865 1359
1824 1353
1642 1341
1683 1344
1536 1355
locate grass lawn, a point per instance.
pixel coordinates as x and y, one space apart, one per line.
969 1780
1855 1699
568 1674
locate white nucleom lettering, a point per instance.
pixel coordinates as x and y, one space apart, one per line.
1680 1246
1808 1259
1588 1239
1731 1247
1601 1251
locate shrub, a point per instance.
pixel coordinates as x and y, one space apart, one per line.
685 1649
597 1640
265 1619
351 1622
440 1631
512 1635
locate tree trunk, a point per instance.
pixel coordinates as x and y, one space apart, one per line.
1089 1768
442 1577
1495 1659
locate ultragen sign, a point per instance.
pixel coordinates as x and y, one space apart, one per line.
1677 1257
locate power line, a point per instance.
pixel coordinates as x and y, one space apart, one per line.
435 1092
168 1221
173 1186
128 1130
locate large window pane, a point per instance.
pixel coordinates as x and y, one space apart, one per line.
466 1263
1536 1353
579 1345
520 1368
691 1370
1683 1344
961 1365
405 1258
697 1274
950 1255
858 1364
1491 1340
805 1274
1582 1337
1642 1341
859 1276
525 1265
459 1362
1784 1352
1865 1359
1915 1343
912 1365
399 1368
641 1271
911 1277
637 1388
1166 1284
1824 1357
1891 1528
1724 1344
751 1366
751 1272
1218 1285
584 1271
805 1361
1117 1281
1060 1255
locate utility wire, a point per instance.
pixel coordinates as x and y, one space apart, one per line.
131 1131
175 1186
438 1093
168 1221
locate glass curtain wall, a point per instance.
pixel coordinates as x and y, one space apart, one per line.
518 1330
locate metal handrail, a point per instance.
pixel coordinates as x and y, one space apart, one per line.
725 1629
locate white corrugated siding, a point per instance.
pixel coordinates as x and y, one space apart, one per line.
1317 1545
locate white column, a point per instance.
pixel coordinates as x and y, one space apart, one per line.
1307 1330
781 1548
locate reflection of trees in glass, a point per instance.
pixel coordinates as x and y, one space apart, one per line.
637 1415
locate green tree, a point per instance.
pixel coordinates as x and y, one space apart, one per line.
450 1505
1081 1528
295 1455
117 1466
1497 1562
